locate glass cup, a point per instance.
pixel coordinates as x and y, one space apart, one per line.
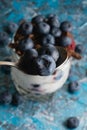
38 87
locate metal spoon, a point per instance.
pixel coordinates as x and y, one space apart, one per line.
13 64
7 63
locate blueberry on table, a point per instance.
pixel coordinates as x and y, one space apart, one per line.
56 32
48 39
6 69
25 28
5 97
65 41
79 48
49 50
72 122
11 27
73 87
43 28
16 99
25 44
37 19
4 39
66 26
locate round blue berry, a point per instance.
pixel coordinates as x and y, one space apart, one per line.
16 99
43 28
56 32
26 62
26 28
49 50
5 97
37 19
66 26
73 87
53 22
30 53
48 39
11 27
49 16
72 122
65 41
79 48
4 39
25 44
45 65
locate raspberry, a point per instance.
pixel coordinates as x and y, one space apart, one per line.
72 45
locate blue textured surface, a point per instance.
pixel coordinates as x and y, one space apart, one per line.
31 115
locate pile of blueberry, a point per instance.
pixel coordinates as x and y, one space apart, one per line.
41 62
43 31
36 43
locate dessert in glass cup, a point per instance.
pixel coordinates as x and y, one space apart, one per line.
42 48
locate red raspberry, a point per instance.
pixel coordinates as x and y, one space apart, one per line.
72 45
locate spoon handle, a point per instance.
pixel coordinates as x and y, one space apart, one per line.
8 63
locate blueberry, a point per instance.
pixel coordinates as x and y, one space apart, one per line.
79 48
53 22
65 41
5 97
56 32
26 61
31 53
72 123
51 16
6 69
45 65
49 50
49 63
48 39
38 66
26 28
66 26
16 99
27 57
4 39
43 28
25 44
12 27
73 87
38 19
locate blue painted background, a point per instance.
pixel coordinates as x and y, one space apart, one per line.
51 115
